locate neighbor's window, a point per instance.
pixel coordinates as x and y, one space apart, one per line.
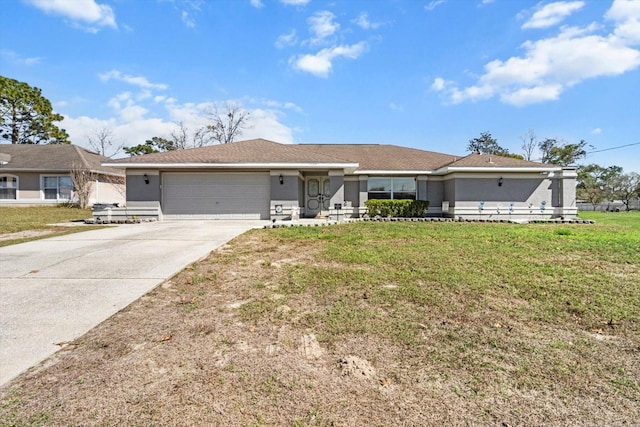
392 188
57 187
8 187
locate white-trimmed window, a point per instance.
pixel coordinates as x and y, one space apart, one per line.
57 187
8 187
391 188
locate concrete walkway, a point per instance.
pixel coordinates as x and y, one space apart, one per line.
55 290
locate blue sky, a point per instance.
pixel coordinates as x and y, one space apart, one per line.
428 74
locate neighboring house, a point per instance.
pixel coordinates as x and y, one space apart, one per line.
33 174
260 179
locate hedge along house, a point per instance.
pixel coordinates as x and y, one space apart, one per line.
33 174
260 179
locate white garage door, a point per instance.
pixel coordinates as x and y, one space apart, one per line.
215 195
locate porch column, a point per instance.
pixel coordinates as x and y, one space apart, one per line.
567 187
363 194
336 179
421 187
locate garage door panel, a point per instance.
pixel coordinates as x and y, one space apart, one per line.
216 196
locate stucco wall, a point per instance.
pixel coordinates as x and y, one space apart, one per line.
352 192
105 192
435 194
139 191
288 190
449 191
517 190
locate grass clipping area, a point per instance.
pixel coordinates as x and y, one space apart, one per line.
366 324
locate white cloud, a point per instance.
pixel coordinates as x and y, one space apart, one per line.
285 40
552 14
80 12
626 15
438 84
295 2
322 25
187 19
363 22
320 64
266 124
433 4
134 122
257 4
396 107
549 66
139 81
18 59
596 131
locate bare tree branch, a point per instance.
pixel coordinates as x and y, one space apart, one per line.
225 127
529 144
101 140
82 180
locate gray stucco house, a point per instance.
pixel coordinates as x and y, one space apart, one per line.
33 174
260 179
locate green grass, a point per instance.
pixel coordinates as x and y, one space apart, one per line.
488 300
616 219
17 219
584 273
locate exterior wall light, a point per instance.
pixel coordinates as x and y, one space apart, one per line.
500 180
281 178
146 178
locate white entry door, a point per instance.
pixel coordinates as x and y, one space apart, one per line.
318 196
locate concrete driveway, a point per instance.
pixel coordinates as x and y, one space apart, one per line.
55 290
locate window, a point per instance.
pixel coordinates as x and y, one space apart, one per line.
392 188
8 187
57 187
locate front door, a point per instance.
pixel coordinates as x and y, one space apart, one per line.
318 196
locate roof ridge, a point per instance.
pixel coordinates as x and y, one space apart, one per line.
81 155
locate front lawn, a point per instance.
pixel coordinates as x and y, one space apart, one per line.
21 224
386 324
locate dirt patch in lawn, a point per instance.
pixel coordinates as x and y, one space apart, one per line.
256 334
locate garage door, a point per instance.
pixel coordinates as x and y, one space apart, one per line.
215 195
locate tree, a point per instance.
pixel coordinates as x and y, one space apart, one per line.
226 127
628 187
556 153
486 144
26 117
529 144
590 187
153 145
181 140
82 180
101 140
597 184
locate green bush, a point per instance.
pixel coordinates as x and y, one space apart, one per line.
397 208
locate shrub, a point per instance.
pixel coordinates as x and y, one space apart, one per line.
397 208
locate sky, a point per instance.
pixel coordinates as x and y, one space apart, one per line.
427 74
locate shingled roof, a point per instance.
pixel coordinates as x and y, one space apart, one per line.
367 157
59 158
476 160
250 151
